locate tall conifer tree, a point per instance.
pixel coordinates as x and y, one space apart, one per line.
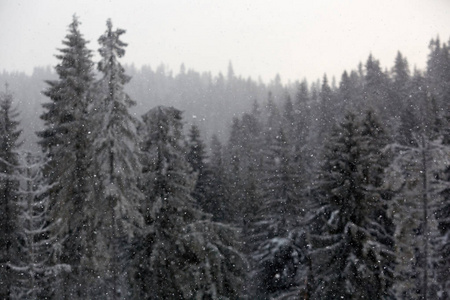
36 267
352 247
185 255
274 254
9 189
64 141
114 212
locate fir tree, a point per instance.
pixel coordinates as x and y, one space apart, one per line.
9 188
411 101
65 143
326 107
275 255
36 268
221 206
376 90
438 72
196 155
184 255
242 163
443 218
419 171
209 191
302 149
401 77
289 118
352 247
114 211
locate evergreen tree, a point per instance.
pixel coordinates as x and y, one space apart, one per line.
9 188
114 206
326 107
184 255
352 251
302 117
412 99
35 267
288 115
234 170
275 254
243 163
221 206
65 142
443 218
196 155
438 73
303 150
401 77
272 116
210 191
419 171
376 91
345 89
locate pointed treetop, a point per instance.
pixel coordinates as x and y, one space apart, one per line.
110 41
75 21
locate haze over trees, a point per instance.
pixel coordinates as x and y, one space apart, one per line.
142 184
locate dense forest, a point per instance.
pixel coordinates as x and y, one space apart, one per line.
120 182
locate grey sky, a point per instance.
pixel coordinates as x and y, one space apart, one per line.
296 39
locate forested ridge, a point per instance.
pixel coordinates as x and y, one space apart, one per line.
120 182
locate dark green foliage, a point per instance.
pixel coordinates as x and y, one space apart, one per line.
64 140
196 155
184 255
443 218
376 91
211 191
9 189
219 205
35 267
275 255
114 214
242 161
438 72
443 248
158 224
352 235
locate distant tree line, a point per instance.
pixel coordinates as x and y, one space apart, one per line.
318 191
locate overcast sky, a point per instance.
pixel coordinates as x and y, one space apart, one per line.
297 39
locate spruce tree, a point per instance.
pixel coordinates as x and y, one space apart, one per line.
443 218
209 191
303 152
9 189
221 206
275 254
419 171
64 140
114 205
36 270
401 77
196 155
326 109
242 157
438 72
376 89
352 251
184 255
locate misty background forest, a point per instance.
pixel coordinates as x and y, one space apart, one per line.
120 182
